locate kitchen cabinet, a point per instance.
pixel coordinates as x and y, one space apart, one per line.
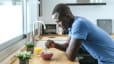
106 25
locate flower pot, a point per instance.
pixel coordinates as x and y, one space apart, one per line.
30 49
23 61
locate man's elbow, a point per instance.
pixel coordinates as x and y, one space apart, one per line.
71 58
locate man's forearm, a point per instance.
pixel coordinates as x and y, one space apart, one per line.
73 48
61 46
64 46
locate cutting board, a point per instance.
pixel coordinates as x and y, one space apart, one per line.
59 57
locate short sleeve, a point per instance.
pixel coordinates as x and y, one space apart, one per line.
79 30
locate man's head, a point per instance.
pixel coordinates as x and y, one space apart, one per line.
62 15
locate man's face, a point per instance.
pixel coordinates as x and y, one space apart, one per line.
61 21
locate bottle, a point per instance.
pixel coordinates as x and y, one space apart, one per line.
59 31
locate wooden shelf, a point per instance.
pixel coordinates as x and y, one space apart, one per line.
72 4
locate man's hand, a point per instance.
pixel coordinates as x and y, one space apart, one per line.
50 44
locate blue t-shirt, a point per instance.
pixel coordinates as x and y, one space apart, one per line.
96 41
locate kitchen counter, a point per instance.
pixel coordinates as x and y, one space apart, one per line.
112 36
59 57
52 37
56 37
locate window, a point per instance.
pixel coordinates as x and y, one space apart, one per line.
11 19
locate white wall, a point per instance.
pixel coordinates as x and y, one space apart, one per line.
92 12
32 13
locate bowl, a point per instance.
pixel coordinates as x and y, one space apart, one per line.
46 56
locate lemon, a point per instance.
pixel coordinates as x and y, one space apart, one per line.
37 50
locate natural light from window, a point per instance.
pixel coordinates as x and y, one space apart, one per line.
11 24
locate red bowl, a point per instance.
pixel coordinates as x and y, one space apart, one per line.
46 56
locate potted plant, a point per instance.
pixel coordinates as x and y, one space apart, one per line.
24 57
29 46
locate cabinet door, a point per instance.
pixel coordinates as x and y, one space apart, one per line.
105 24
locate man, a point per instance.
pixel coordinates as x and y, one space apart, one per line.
82 33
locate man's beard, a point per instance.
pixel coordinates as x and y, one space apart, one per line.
66 25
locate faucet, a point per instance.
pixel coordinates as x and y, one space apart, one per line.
39 25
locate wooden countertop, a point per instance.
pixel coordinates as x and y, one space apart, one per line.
52 37
56 37
59 57
112 36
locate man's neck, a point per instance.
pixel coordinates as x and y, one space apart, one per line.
71 21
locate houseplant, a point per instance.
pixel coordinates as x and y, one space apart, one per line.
24 57
29 46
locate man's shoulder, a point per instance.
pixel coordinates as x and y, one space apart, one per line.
79 20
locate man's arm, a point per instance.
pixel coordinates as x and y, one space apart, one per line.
73 48
64 46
